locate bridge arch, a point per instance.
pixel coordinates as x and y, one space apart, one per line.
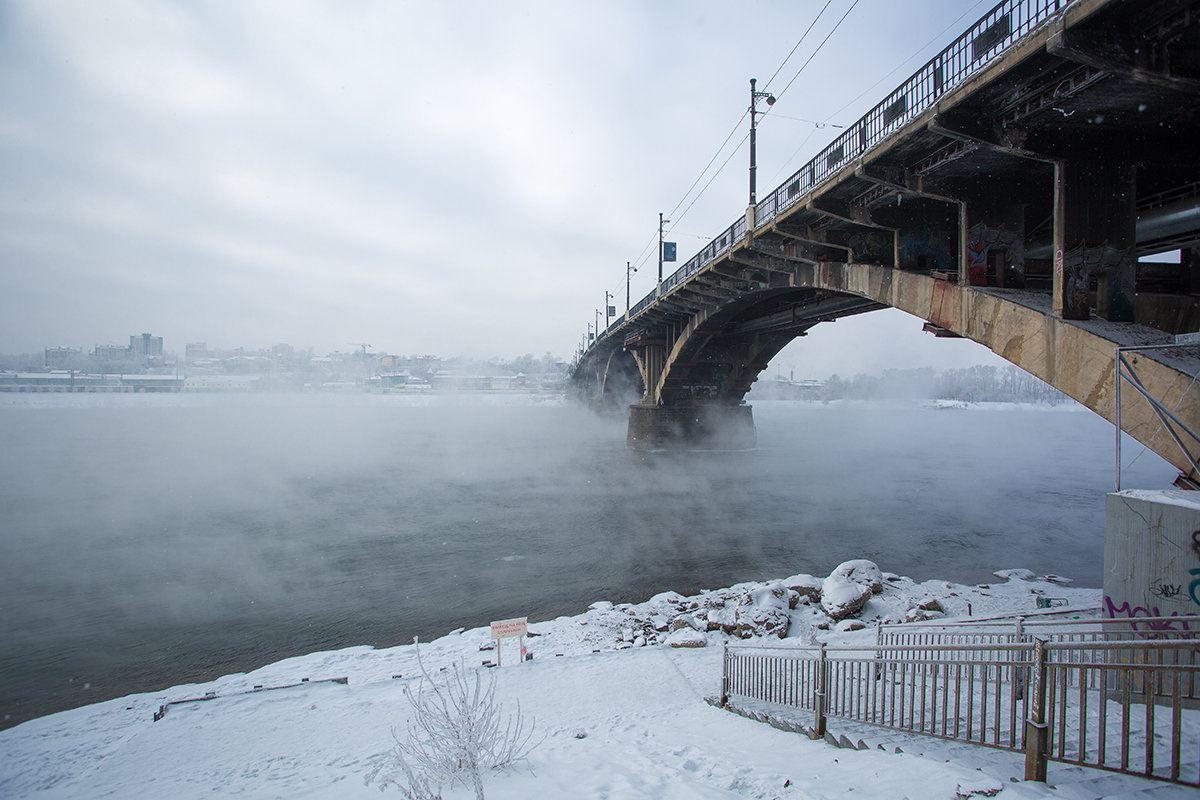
1004 193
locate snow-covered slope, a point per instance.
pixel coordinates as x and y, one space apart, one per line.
622 717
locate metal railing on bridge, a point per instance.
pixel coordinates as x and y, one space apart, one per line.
988 38
1123 705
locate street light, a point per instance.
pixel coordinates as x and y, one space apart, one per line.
754 98
629 270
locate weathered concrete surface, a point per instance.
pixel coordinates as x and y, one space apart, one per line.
1151 555
1076 357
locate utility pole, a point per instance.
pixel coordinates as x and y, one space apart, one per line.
629 270
598 323
754 98
609 311
660 253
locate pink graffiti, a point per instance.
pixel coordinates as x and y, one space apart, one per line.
1150 630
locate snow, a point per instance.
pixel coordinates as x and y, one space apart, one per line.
1172 497
621 718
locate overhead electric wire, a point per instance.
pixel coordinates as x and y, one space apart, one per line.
874 86
813 55
675 220
797 46
899 66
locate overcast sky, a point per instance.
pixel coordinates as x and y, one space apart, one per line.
458 178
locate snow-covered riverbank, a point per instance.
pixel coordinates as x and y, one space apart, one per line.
622 711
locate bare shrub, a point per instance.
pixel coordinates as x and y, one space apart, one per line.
457 733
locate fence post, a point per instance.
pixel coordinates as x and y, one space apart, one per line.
1020 673
819 696
1036 739
725 675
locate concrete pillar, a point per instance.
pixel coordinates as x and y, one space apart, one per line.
1095 216
706 427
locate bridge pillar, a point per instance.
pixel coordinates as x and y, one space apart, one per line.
1095 215
701 427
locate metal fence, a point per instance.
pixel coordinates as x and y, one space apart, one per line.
989 37
1115 705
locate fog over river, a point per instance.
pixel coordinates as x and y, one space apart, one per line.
150 540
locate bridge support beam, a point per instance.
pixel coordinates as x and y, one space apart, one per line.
1095 217
699 427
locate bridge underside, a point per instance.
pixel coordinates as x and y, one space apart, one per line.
1013 212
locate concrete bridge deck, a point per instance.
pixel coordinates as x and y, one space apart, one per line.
1003 193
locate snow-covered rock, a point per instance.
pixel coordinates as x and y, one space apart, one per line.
1015 574
764 612
687 637
861 571
808 587
847 625
840 598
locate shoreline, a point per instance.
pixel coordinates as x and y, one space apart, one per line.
618 685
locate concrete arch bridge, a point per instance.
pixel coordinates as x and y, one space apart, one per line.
1004 193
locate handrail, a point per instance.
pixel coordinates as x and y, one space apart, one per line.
990 36
1087 703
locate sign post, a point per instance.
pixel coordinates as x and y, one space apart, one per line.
507 628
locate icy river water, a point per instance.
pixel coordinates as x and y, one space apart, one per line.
151 540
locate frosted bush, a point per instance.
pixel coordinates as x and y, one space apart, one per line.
457 733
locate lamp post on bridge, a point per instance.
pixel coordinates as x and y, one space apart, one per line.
610 310
629 270
754 112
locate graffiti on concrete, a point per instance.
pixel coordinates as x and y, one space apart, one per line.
1156 629
1166 590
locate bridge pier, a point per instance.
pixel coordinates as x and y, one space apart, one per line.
697 427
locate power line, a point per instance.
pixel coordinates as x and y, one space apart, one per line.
644 254
814 52
918 52
786 168
797 47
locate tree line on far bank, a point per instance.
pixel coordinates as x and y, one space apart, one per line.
975 384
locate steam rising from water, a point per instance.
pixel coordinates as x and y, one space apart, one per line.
149 540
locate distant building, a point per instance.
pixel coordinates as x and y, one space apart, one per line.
63 357
112 352
146 346
195 352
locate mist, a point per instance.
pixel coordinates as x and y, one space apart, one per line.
150 540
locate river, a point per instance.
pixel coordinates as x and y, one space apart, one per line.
150 540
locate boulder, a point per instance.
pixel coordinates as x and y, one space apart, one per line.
917 615
1015 574
764 612
723 619
806 586
860 571
931 604
847 625
842 597
687 637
